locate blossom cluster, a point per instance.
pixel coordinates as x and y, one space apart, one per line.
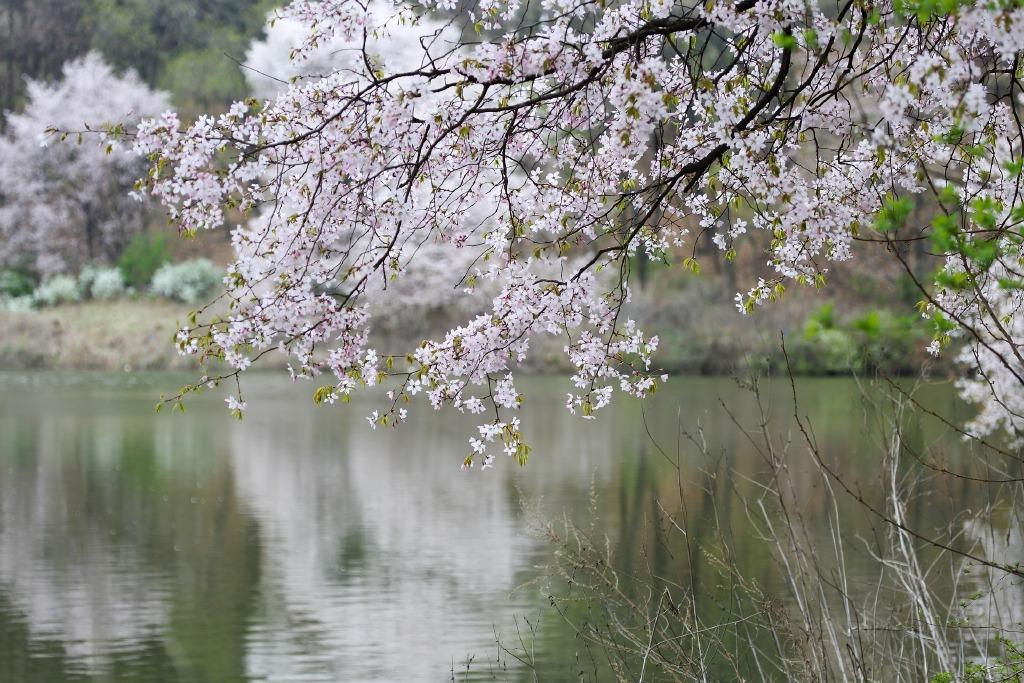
551 151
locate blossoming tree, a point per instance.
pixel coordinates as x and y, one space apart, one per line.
553 142
63 205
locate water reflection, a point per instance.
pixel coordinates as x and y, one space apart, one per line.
69 560
378 560
300 545
995 597
296 545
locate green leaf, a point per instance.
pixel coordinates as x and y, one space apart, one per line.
894 214
784 40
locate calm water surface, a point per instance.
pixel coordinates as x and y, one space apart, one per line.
299 545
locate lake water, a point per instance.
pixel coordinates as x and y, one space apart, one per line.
299 545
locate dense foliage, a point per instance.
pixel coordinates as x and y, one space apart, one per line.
177 45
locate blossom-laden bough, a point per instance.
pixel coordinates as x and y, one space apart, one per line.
552 140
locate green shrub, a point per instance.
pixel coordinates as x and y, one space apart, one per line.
877 339
62 289
15 283
819 321
143 256
870 324
896 342
188 282
836 352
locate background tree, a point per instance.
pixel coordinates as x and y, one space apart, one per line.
39 36
184 47
64 205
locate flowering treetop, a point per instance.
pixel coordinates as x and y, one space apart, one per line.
64 205
553 140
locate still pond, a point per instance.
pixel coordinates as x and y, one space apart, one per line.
300 545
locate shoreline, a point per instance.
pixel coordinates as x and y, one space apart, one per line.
105 336
137 335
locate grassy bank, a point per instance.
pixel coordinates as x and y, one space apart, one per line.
121 335
697 337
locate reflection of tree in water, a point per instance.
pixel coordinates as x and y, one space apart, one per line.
702 537
998 597
380 557
69 557
122 551
300 543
